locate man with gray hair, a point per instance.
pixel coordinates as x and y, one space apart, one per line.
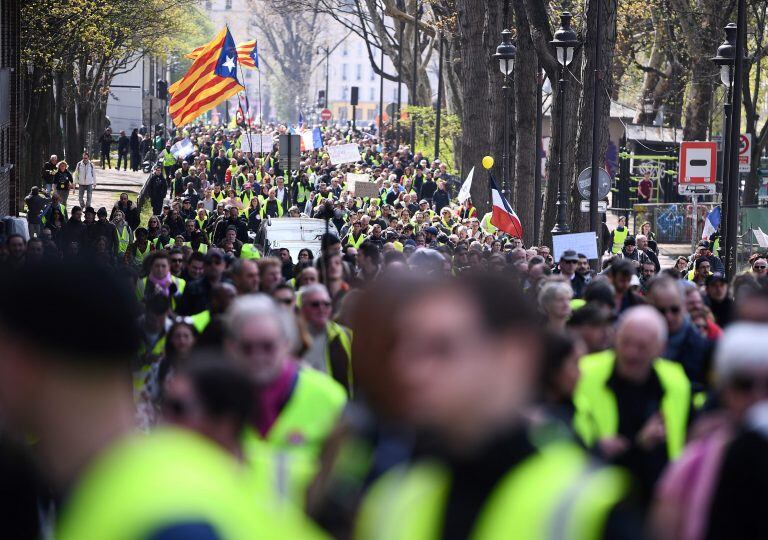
295 408
685 344
631 403
331 348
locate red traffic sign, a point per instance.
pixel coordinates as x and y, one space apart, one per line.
698 162
698 167
326 115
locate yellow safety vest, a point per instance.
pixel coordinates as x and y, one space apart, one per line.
201 320
249 251
263 209
141 287
618 240
597 414
123 239
309 415
139 256
334 332
557 492
146 483
356 243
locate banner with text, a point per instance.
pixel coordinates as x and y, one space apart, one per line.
344 153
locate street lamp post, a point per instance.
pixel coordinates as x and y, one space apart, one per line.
438 109
401 7
505 54
726 53
414 73
565 43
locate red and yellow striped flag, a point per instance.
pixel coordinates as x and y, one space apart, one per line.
247 54
211 80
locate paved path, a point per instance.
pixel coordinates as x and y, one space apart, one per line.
109 185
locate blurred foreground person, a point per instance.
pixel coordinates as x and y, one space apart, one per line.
467 353
719 486
74 396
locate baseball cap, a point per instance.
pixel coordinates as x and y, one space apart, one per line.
569 255
717 276
431 230
423 201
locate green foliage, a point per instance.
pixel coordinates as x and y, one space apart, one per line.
450 131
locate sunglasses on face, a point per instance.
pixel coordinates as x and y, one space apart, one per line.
177 260
319 303
760 267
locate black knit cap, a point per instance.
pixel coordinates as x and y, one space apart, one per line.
96 314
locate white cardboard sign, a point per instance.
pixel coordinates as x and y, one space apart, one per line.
585 243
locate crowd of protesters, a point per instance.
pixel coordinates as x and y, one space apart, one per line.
421 375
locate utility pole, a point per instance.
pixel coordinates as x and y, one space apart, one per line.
401 7
594 223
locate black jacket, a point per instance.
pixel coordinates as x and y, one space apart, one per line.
122 144
441 198
156 187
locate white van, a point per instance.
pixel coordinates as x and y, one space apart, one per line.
294 234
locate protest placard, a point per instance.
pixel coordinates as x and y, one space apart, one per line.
585 243
344 153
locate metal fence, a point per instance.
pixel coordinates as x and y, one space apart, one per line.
672 223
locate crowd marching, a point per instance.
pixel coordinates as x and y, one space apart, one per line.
419 374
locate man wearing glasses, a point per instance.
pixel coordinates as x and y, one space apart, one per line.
567 268
760 267
331 348
685 345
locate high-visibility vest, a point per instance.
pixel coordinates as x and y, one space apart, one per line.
263 209
201 222
308 417
486 224
356 243
62 208
141 287
218 198
146 484
168 158
246 198
557 492
123 239
249 251
139 256
201 320
301 194
597 413
618 240
201 248
334 332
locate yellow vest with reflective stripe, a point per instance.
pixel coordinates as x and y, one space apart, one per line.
201 320
597 413
555 493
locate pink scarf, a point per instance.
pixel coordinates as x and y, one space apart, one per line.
270 400
163 285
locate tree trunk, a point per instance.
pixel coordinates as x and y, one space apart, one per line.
475 140
579 220
526 151
491 39
703 72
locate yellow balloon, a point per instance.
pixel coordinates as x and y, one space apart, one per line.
488 162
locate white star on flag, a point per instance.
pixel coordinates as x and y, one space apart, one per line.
229 63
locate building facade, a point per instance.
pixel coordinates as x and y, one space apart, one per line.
10 100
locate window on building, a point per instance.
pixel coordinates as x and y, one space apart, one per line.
344 51
371 114
343 72
345 93
373 75
359 72
372 94
227 4
208 5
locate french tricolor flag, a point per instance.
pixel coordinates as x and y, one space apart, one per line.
503 217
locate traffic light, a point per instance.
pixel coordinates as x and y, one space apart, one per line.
353 100
321 99
162 89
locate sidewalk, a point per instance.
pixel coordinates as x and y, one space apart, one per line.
109 185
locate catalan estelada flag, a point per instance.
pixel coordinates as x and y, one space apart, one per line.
247 54
211 80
